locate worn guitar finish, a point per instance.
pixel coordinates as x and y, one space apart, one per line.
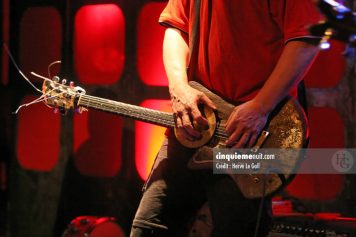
286 128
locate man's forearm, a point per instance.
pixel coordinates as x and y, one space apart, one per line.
185 99
175 58
294 61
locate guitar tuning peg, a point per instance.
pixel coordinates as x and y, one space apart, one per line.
55 79
71 84
64 81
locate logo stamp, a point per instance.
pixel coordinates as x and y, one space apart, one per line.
342 161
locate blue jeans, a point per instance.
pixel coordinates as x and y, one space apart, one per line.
173 193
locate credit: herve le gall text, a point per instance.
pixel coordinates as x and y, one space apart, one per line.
240 161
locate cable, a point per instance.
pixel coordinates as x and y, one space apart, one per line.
260 208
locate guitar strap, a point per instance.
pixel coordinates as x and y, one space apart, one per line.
302 96
194 38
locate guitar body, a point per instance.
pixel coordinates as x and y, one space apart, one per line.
287 128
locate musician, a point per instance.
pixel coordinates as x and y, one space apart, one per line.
255 51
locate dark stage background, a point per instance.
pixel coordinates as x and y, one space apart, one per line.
54 168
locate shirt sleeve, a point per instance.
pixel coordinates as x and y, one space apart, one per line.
176 14
294 17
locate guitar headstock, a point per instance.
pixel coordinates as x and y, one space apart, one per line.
61 96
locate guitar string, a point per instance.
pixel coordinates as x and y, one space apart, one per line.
18 69
38 100
156 114
219 132
136 109
137 112
42 98
131 110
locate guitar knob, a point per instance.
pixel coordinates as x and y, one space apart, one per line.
56 110
71 84
64 81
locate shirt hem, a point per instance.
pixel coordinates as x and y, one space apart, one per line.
148 225
301 37
166 22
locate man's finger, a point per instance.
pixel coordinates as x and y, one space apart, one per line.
198 117
205 100
181 130
235 136
188 127
231 124
242 141
178 121
253 140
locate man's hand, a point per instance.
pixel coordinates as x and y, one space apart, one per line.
245 124
247 120
185 101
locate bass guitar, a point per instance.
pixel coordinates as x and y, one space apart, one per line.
286 128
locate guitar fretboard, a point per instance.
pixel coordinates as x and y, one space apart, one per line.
132 111
152 116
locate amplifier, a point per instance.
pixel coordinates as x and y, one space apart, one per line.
313 225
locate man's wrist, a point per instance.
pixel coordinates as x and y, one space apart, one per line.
264 107
176 87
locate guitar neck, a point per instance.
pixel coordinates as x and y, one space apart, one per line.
160 118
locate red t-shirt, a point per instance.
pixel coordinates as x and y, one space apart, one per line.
240 41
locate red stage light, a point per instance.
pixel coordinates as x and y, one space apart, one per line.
149 45
99 44
148 139
38 132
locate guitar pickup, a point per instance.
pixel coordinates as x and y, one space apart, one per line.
261 139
